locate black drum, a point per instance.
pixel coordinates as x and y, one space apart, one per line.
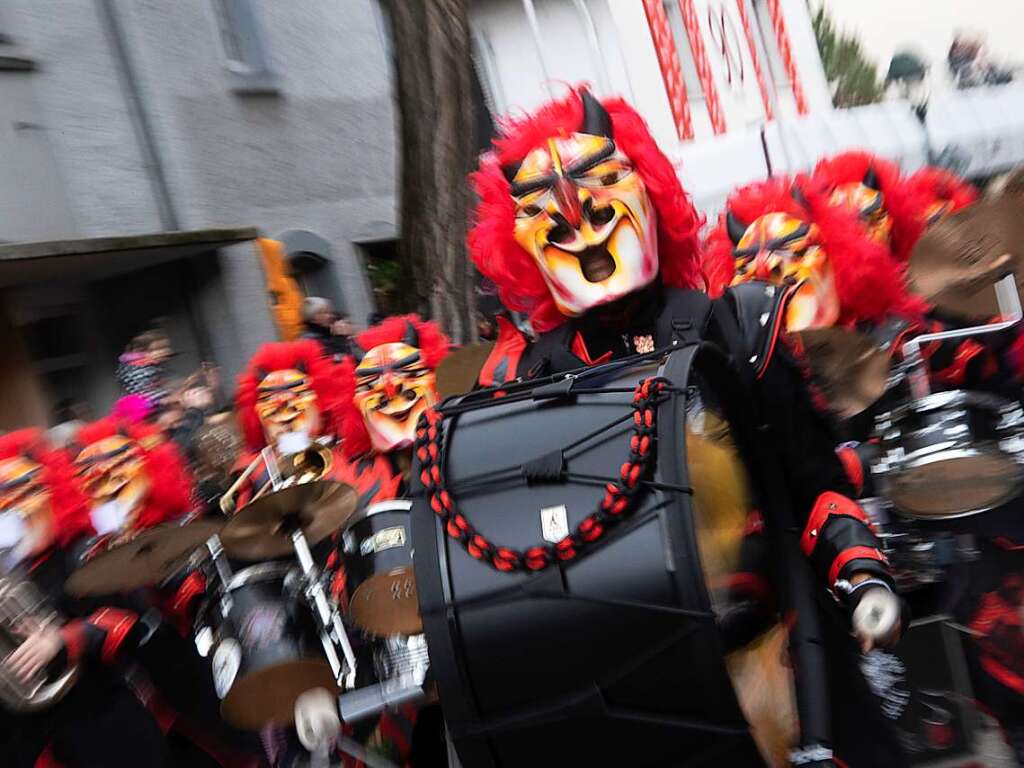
379 578
613 657
267 650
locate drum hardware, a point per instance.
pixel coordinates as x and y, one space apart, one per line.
153 556
1009 308
401 664
327 615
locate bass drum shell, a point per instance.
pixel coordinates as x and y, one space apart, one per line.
615 657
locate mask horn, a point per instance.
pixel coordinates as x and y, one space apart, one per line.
412 336
358 353
261 374
798 195
596 120
509 172
735 228
871 178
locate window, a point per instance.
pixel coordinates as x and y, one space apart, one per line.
309 256
244 43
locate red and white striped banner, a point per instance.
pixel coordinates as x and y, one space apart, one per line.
786 52
668 62
741 5
700 57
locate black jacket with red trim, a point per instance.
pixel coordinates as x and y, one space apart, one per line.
746 321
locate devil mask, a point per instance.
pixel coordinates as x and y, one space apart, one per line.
286 403
394 387
26 516
583 213
785 249
113 475
865 198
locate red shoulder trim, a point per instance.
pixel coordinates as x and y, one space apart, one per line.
829 504
503 362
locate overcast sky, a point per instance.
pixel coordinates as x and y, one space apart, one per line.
927 26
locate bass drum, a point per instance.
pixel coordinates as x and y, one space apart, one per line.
615 657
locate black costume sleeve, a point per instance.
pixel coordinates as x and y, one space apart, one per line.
837 535
105 635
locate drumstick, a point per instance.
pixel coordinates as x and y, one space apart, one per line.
227 500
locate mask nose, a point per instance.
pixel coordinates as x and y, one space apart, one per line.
390 386
767 266
568 201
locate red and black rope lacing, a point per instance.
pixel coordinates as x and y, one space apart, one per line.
619 499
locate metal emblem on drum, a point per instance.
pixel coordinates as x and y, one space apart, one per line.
226 661
554 523
388 538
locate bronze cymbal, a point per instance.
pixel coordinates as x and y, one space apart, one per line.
457 373
261 529
850 369
149 558
957 262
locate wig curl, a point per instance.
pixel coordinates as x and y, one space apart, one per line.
68 502
305 355
170 482
905 204
869 282
433 346
499 257
933 184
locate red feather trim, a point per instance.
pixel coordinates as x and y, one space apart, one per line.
69 503
498 256
870 283
170 492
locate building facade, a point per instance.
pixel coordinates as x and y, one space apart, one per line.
132 117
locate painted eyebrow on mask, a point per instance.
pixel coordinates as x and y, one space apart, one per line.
775 244
587 162
520 188
377 371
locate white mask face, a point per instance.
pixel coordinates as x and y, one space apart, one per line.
15 539
109 517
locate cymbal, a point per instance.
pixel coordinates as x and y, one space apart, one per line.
457 373
149 558
851 370
957 262
260 529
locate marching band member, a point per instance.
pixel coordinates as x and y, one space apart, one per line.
582 223
45 521
386 385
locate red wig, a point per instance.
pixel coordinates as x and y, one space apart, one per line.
905 204
69 503
492 245
170 492
433 346
305 355
933 184
870 283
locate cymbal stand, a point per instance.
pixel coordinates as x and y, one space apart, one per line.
1009 312
327 615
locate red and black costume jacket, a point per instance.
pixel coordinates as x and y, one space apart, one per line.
837 537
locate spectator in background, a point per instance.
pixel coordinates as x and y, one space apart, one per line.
486 328
69 416
320 325
141 370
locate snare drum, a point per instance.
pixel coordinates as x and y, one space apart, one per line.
267 650
379 576
951 454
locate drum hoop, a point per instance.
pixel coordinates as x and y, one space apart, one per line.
259 573
954 398
391 505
